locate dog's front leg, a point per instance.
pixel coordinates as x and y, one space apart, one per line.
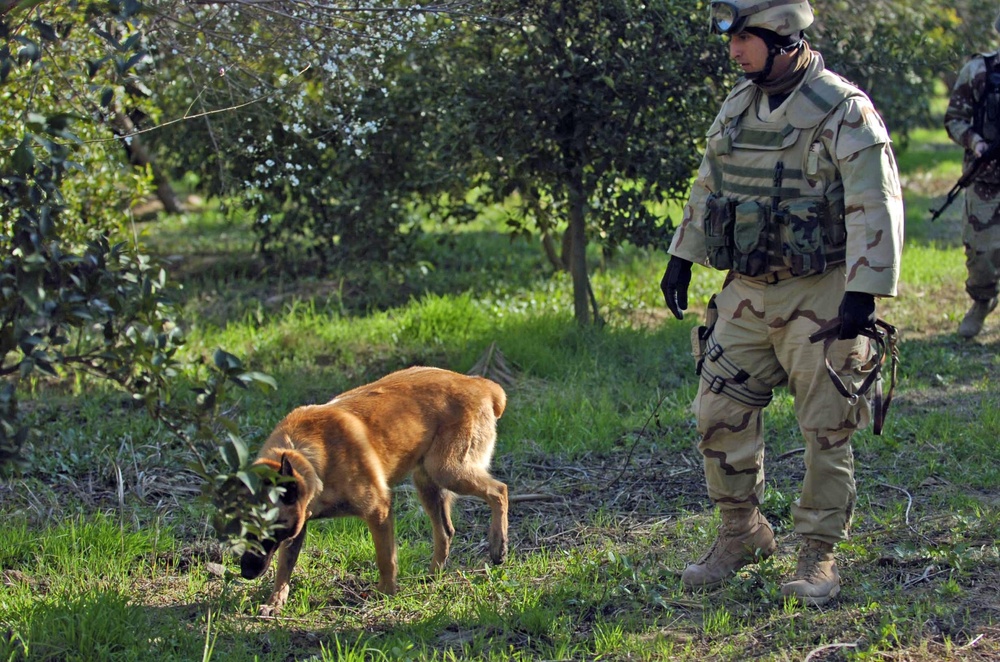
383 535
288 555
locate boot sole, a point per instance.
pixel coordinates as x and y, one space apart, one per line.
815 600
756 558
969 333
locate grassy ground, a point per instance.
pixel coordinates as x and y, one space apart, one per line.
106 553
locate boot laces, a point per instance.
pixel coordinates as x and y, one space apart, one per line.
711 551
810 559
726 533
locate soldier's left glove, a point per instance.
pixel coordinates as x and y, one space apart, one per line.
857 312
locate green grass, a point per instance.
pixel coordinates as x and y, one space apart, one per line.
106 553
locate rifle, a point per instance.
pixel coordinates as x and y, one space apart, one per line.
990 154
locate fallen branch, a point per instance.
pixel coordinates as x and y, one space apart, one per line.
817 651
520 498
909 499
794 451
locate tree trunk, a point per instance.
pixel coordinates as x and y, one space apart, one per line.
139 155
557 261
578 249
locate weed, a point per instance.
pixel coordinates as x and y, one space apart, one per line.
105 552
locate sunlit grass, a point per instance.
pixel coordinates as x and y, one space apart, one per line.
106 553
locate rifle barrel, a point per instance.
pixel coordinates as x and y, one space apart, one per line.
986 157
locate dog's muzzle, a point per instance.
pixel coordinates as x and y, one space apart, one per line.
253 565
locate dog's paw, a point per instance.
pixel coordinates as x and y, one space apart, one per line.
498 552
270 609
388 588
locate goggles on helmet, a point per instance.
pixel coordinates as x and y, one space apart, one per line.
726 18
729 18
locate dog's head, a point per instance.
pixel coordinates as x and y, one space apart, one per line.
292 515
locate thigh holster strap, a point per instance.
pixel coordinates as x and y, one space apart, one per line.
724 377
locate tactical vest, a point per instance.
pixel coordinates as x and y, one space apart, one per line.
780 205
986 112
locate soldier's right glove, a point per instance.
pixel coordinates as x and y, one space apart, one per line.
674 285
857 312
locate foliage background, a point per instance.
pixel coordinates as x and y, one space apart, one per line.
106 552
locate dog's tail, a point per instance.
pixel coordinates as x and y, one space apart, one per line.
499 397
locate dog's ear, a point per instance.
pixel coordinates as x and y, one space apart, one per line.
286 466
291 494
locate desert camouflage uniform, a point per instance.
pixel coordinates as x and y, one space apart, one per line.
981 233
836 154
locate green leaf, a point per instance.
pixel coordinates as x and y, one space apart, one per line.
250 480
260 377
107 95
23 159
230 455
134 60
225 361
46 31
108 37
29 52
235 453
130 43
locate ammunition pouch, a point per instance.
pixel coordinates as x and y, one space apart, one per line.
750 238
808 235
812 234
719 219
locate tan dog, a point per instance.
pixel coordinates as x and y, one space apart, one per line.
346 455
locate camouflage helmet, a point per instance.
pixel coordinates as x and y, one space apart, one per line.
783 17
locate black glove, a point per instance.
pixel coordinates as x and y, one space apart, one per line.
674 285
857 312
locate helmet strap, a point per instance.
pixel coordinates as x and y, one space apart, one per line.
776 45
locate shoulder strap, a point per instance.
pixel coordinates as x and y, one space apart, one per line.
990 59
817 98
990 84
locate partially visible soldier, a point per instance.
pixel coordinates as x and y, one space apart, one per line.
973 121
798 199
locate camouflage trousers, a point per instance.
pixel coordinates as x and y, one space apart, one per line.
760 341
981 237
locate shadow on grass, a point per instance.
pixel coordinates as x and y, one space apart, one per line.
228 285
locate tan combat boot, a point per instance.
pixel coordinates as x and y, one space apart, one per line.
972 324
744 535
816 579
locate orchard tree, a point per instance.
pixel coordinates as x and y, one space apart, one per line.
333 123
74 294
79 297
261 100
579 109
897 52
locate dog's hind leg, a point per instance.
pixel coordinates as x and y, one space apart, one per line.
437 502
476 481
288 555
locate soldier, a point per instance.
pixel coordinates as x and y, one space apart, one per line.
973 121
798 199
